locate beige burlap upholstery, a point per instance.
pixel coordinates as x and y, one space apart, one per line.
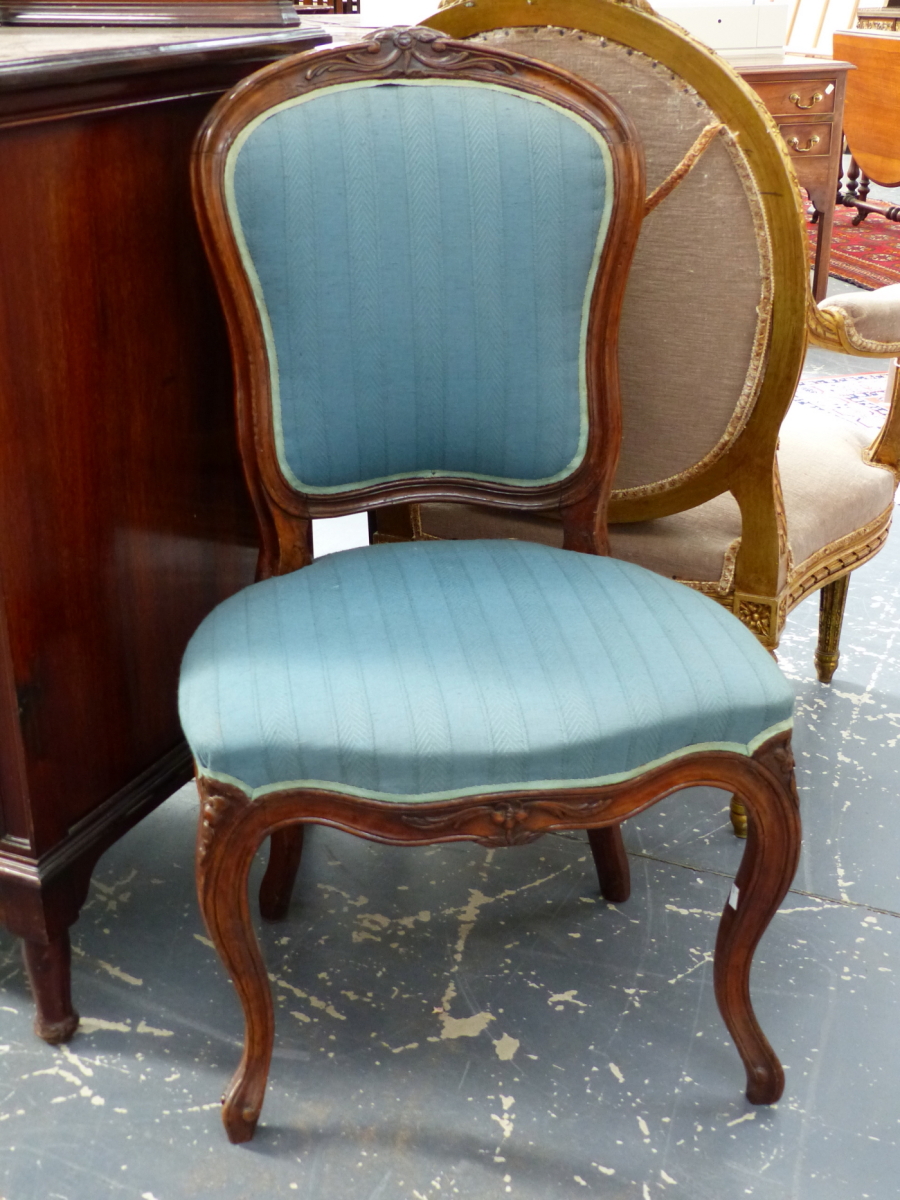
699 546
871 320
689 545
709 236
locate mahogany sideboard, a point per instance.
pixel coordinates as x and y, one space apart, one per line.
123 515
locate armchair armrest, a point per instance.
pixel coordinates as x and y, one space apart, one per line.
885 450
867 324
862 323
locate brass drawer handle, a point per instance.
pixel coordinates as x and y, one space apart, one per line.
794 144
816 97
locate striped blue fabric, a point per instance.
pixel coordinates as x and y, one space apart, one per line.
425 293
429 669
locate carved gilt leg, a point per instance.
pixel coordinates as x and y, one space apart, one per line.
278 882
49 972
832 598
227 842
766 870
611 861
738 815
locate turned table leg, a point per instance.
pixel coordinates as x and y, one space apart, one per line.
49 972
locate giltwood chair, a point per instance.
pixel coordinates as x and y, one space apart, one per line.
422 283
715 324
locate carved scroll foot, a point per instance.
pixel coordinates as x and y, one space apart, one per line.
229 836
243 1101
832 599
766 870
738 815
611 861
278 882
50 974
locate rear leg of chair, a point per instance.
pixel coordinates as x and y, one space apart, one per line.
228 840
286 847
738 814
766 871
832 599
611 861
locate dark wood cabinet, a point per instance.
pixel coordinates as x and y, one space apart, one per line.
123 515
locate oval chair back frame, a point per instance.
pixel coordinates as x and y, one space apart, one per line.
747 466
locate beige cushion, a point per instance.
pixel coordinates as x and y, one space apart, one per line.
696 308
690 545
871 319
829 491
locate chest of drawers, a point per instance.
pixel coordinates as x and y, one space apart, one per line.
806 99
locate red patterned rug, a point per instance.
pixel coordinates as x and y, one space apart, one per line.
867 254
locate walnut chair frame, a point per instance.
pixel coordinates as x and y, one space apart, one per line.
764 582
233 823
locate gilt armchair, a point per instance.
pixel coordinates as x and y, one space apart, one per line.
721 484
469 215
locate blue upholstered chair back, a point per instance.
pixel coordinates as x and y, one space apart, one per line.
423 255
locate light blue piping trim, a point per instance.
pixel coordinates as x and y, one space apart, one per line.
532 785
256 287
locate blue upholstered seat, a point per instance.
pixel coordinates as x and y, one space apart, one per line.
436 669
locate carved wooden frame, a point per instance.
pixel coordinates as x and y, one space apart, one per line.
233 824
284 513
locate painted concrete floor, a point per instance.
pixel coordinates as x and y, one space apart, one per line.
460 1022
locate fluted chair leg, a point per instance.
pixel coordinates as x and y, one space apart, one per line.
832 599
230 834
286 847
738 817
611 861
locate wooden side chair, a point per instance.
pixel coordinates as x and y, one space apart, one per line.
715 323
421 247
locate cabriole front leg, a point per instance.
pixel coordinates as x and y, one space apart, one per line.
766 870
228 840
